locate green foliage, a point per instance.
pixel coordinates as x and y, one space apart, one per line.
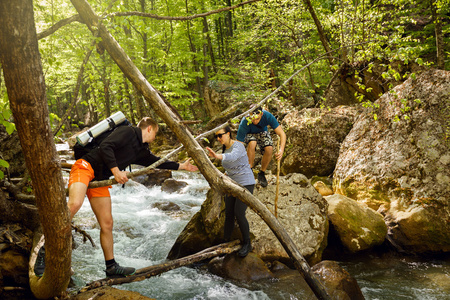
5 116
254 47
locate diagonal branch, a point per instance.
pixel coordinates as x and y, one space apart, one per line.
58 25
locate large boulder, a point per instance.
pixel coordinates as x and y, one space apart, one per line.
300 208
396 159
358 226
314 137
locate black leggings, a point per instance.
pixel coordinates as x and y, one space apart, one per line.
236 208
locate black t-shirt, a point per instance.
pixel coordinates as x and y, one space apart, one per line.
122 148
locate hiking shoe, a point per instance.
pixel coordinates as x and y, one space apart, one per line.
118 271
246 248
262 179
39 265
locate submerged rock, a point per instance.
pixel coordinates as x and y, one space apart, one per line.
249 268
171 185
340 285
397 159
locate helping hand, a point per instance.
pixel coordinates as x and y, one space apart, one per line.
211 152
188 166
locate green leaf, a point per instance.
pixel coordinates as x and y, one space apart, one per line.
6 114
10 127
4 163
2 175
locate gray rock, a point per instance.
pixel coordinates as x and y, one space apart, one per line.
301 210
396 159
314 137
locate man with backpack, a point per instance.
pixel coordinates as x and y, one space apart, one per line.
126 145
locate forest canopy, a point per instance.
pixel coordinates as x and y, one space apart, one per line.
182 47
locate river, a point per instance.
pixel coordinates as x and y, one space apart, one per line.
144 232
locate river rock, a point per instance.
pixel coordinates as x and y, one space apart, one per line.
154 177
396 158
314 137
173 186
301 210
109 293
249 268
358 226
339 284
323 189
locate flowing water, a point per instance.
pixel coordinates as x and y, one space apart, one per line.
144 232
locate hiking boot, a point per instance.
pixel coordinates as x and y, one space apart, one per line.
246 248
39 265
262 179
118 271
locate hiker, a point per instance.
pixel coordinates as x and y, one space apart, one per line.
126 145
235 162
253 131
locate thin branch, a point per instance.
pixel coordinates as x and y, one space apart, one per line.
186 18
84 234
58 25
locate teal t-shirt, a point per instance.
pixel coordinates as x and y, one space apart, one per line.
267 119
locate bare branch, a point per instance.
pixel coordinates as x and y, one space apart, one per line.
186 18
58 25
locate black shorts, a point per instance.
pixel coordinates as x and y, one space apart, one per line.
263 139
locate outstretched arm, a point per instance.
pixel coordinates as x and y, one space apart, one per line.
213 154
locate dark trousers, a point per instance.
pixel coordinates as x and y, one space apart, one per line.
236 208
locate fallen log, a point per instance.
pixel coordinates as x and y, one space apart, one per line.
147 272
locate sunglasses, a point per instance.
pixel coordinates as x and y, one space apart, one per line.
219 135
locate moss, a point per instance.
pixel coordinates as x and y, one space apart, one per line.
377 194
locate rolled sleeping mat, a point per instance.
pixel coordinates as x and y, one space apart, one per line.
109 123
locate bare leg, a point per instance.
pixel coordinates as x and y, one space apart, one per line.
267 156
77 192
251 148
101 206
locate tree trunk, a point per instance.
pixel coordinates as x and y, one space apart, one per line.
437 20
322 36
212 175
20 59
